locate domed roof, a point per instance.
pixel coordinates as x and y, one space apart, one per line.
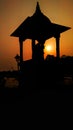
38 15
38 26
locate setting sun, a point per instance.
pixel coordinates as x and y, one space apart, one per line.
48 48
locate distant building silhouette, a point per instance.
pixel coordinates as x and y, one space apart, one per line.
38 27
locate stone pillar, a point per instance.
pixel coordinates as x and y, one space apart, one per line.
21 51
58 46
33 48
42 48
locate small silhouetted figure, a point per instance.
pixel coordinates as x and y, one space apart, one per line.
38 52
17 57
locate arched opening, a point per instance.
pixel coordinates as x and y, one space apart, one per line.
27 49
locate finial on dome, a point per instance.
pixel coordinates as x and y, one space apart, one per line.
38 7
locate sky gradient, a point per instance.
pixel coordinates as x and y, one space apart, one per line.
14 12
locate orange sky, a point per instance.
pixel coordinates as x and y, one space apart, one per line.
14 12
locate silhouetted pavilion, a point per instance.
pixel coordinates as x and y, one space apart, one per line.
38 27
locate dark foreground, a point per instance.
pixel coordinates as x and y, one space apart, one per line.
57 94
47 82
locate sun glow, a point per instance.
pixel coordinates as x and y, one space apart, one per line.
48 48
